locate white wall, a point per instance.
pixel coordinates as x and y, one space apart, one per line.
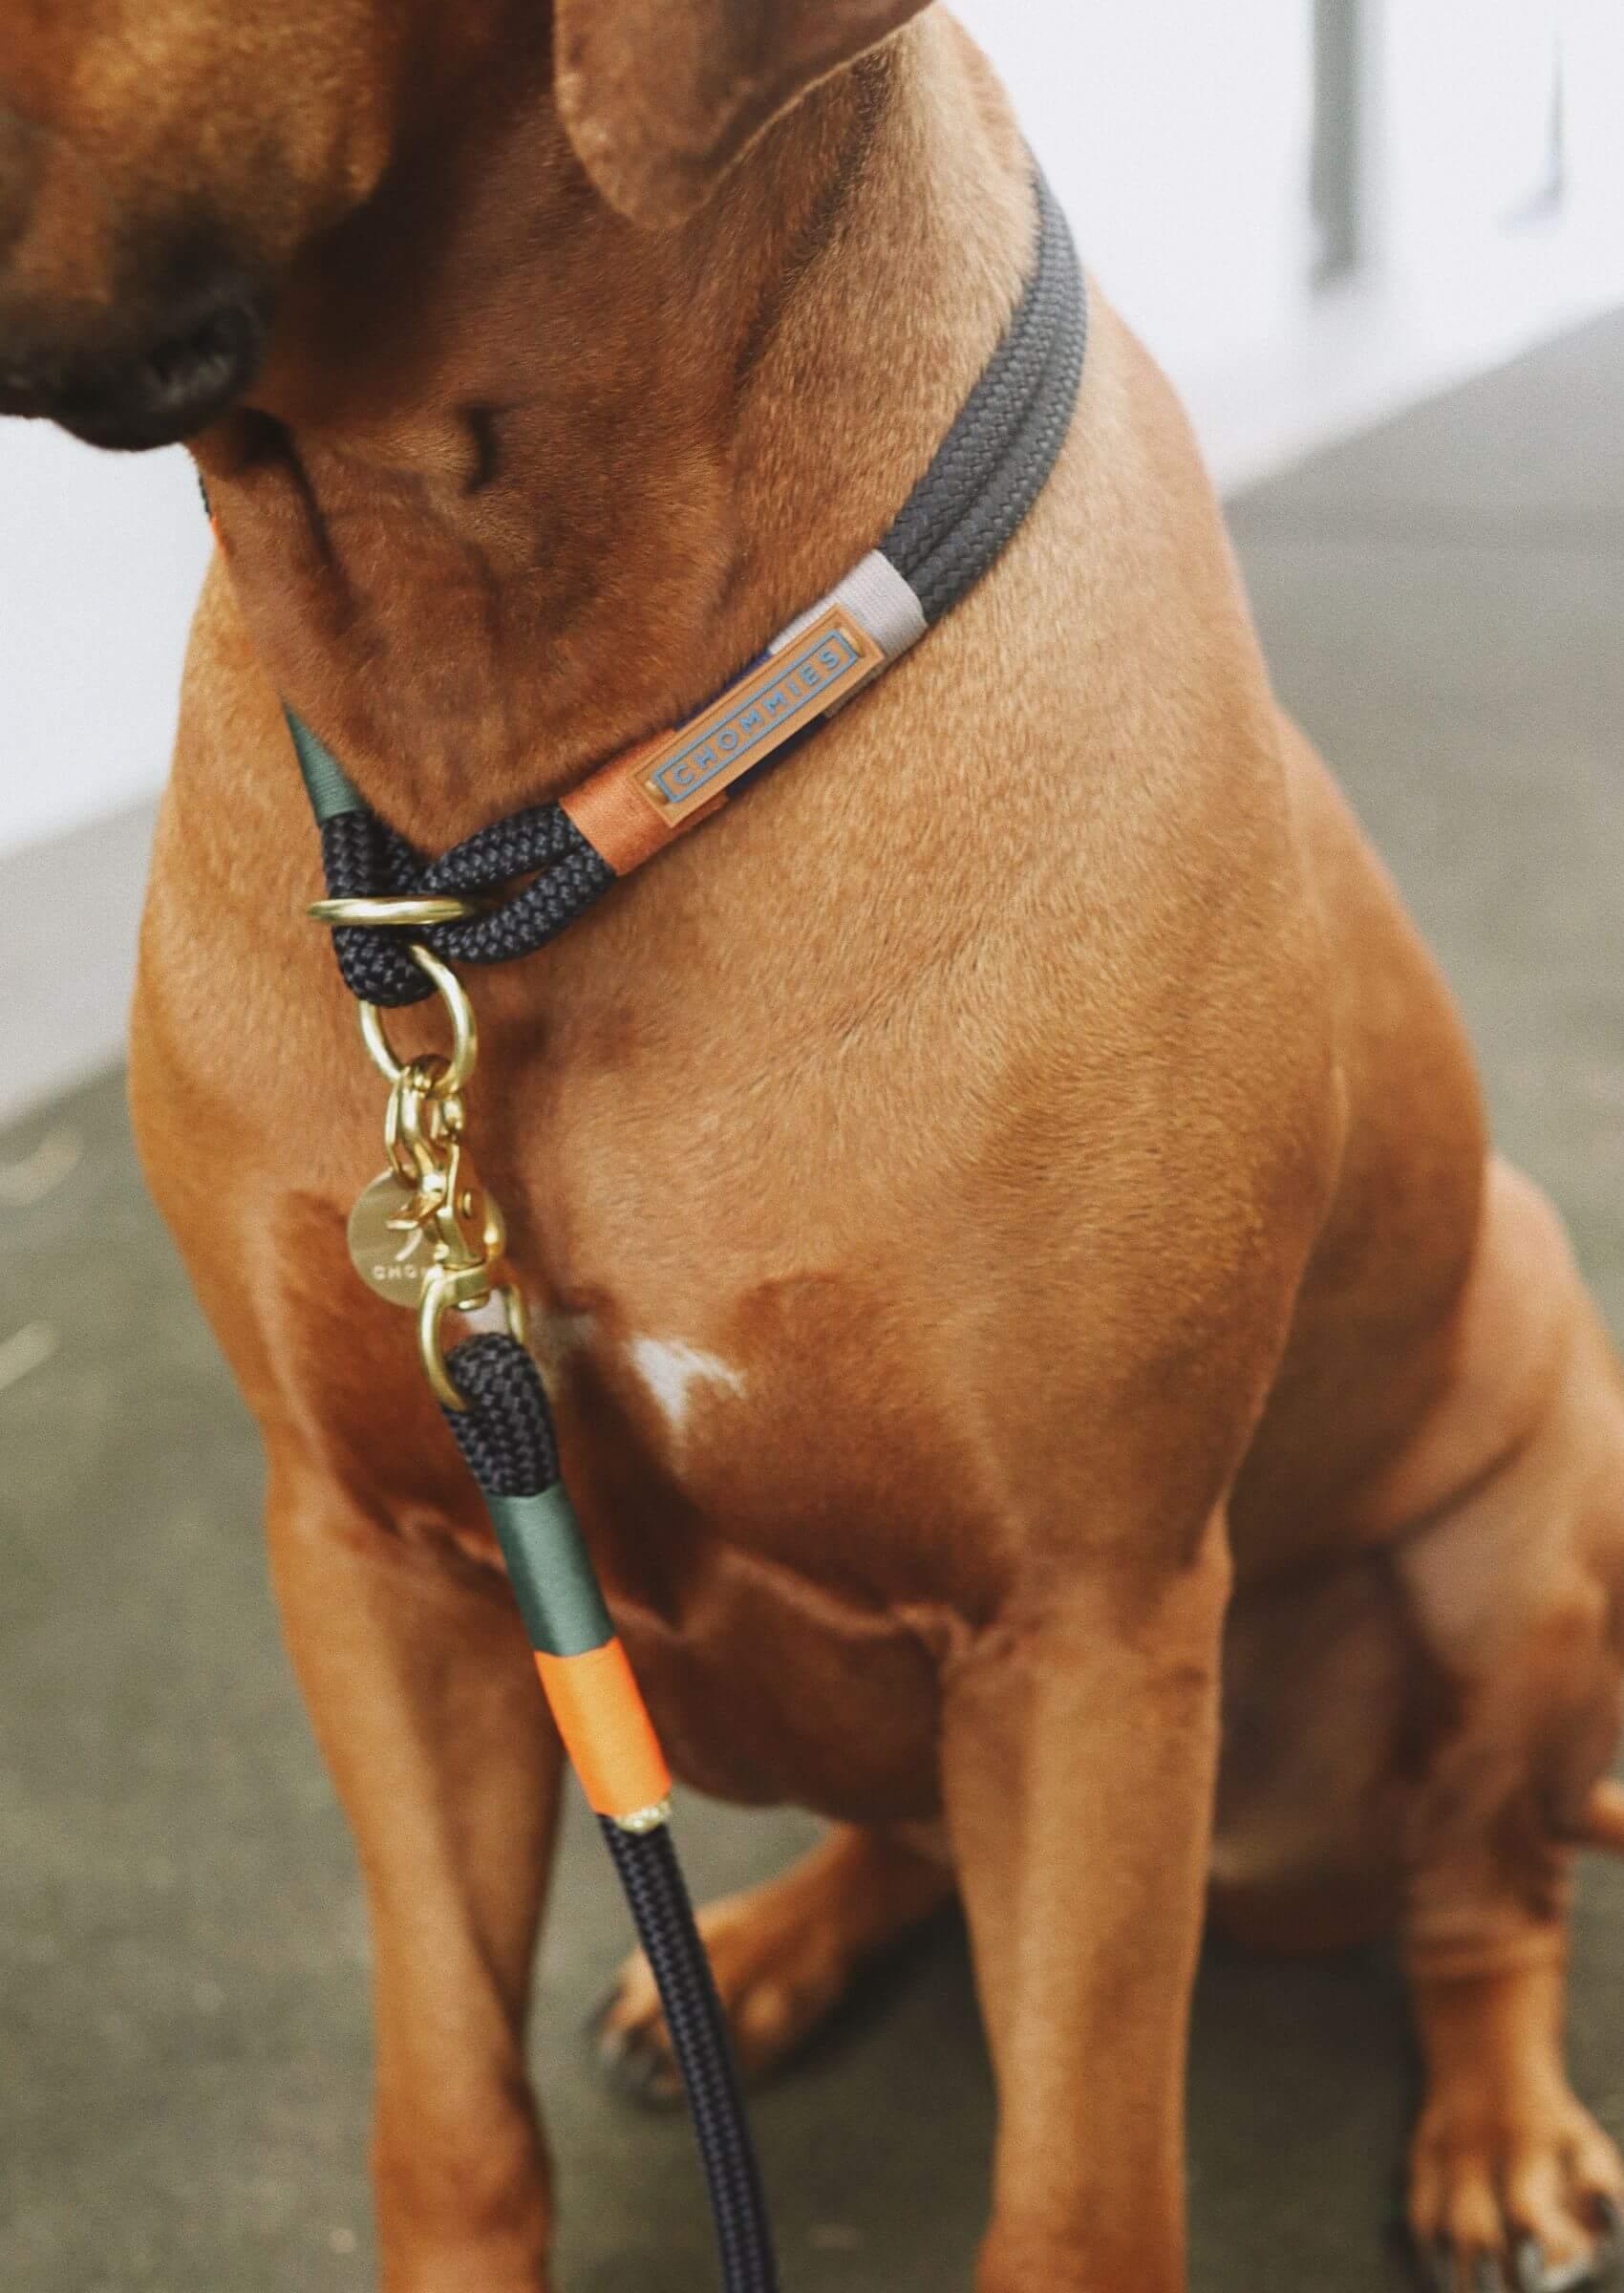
1177 131
100 559
1177 134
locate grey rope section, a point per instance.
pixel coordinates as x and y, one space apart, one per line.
1002 506
976 451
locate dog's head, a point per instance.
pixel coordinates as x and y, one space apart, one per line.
164 163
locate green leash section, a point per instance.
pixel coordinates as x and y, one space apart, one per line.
327 783
553 1581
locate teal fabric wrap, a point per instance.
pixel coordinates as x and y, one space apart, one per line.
326 782
553 1578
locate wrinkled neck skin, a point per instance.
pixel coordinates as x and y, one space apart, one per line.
522 483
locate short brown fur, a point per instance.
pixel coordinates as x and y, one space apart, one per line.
1131 1387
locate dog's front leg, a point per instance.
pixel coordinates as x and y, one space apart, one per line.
1080 1749
426 1704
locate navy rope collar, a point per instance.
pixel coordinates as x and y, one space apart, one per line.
562 857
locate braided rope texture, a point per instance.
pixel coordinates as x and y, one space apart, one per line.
506 1433
507 1437
663 1913
363 859
970 457
1016 457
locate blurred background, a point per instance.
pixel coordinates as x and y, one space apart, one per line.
1379 244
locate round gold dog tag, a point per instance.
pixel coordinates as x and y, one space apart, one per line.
393 1263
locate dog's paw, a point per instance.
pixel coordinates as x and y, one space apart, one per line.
1518 2195
778 1978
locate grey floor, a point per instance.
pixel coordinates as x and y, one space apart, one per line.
182 2030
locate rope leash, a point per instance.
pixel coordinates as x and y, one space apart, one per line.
506 1433
426 1234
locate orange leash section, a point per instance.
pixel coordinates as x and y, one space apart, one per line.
607 1731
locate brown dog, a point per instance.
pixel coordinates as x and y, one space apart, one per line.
1028 1302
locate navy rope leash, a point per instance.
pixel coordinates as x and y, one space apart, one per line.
506 1433
663 1914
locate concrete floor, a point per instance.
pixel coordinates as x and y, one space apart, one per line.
182 2011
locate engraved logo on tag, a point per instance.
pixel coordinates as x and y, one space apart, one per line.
821 666
393 1262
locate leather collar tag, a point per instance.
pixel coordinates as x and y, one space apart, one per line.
804 680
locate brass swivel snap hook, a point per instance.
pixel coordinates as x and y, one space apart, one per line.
425 1235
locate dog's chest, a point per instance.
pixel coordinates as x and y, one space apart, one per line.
782 1537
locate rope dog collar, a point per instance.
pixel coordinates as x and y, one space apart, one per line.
985 477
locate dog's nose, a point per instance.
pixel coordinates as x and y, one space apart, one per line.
154 355
150 375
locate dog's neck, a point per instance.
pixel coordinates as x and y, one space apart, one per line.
522 483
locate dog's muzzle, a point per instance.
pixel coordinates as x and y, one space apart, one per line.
180 371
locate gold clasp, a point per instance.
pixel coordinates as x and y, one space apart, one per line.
455 1231
465 1293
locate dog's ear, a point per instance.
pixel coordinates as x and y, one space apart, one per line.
661 96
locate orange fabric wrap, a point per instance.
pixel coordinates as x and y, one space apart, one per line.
606 1731
617 818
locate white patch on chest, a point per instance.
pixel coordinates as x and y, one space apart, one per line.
672 1371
